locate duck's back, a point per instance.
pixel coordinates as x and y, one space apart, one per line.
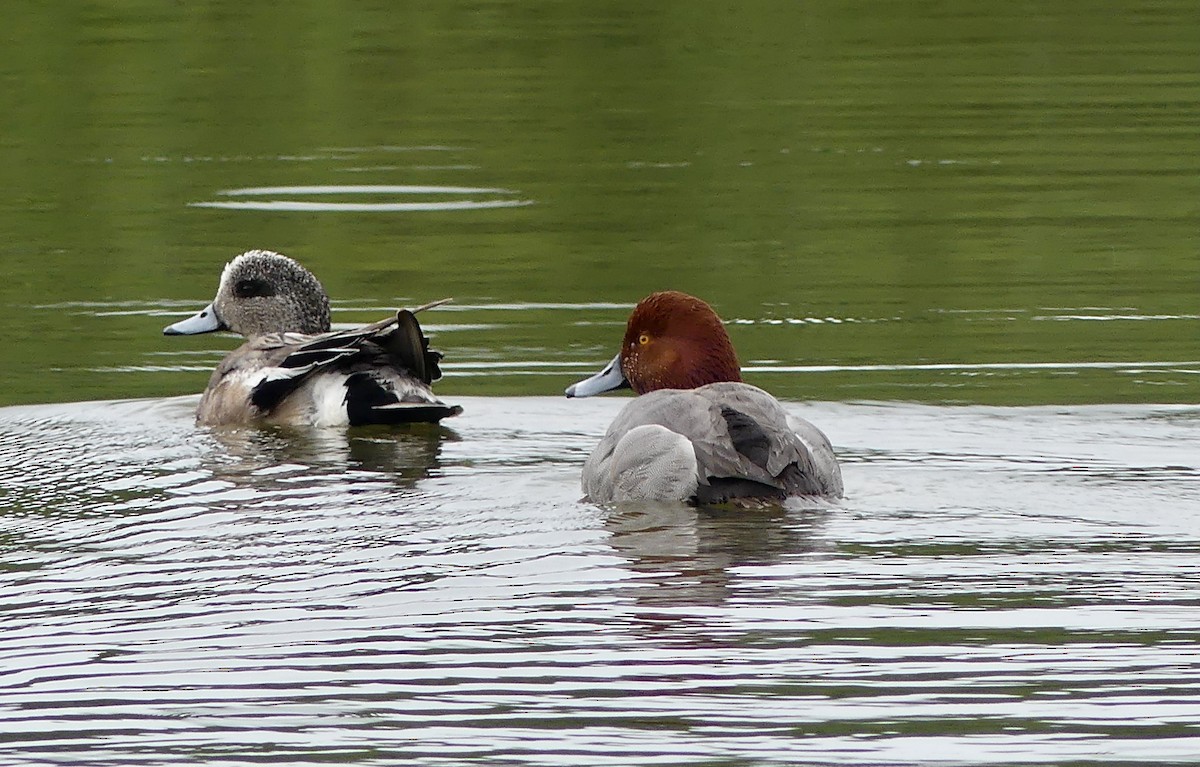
373 375
745 444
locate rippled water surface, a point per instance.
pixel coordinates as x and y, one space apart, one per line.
1000 585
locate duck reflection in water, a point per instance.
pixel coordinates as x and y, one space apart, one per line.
689 556
260 456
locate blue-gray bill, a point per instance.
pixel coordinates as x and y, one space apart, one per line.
203 321
609 379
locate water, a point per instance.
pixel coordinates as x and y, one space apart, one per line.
1001 585
959 239
952 185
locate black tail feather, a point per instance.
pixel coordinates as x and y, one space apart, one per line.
369 402
408 412
733 490
407 344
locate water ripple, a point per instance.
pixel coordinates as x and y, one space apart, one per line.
361 189
1000 577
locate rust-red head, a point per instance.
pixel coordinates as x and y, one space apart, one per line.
672 341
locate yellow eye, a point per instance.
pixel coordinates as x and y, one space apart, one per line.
643 339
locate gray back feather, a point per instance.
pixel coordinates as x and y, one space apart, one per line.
737 431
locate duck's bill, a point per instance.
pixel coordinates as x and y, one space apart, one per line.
203 321
609 379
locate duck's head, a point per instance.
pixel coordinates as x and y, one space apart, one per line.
262 292
672 341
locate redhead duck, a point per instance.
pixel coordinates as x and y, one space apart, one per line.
697 433
293 370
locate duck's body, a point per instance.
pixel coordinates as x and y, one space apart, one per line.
742 445
293 370
697 433
350 378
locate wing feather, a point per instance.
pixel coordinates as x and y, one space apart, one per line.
369 356
742 437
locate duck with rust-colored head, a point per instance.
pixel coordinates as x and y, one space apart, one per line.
696 432
293 370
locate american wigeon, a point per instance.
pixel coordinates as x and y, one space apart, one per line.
697 433
293 370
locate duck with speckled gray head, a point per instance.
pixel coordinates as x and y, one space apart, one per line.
293 369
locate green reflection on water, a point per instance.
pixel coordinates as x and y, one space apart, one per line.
960 180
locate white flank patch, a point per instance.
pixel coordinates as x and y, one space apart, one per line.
329 400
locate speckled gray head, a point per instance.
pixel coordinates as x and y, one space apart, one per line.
262 292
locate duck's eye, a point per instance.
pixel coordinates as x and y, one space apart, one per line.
643 339
252 287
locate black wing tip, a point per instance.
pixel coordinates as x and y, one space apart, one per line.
267 395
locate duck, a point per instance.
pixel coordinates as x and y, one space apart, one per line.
696 432
294 370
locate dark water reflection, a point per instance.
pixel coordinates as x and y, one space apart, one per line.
688 557
260 455
1000 584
